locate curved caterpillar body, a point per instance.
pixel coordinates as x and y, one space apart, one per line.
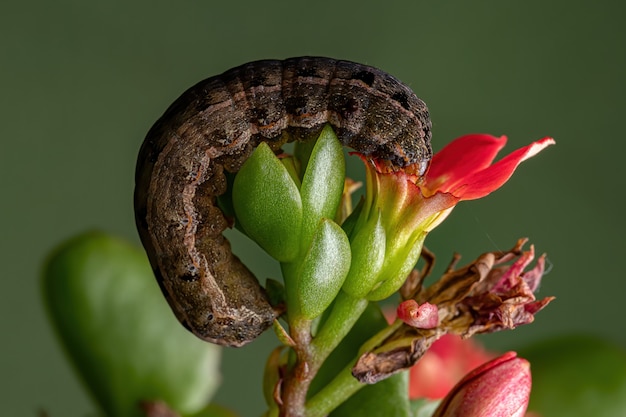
212 128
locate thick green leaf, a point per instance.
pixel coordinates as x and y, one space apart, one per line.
577 376
323 269
268 205
322 185
368 257
119 332
388 398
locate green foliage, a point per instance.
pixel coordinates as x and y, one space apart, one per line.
268 204
423 407
322 184
323 269
368 257
386 398
119 332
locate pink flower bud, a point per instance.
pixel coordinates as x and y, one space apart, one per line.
423 316
499 388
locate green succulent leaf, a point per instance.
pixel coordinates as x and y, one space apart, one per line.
368 257
322 185
302 152
386 398
268 205
323 269
119 332
291 164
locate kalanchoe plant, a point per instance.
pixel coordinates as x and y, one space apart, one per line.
331 273
336 263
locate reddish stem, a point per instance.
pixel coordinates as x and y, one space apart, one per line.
298 378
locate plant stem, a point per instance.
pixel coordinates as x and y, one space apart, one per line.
298 378
333 394
345 313
344 384
312 352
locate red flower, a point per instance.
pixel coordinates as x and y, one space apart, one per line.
463 170
403 207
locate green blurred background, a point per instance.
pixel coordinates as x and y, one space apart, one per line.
81 82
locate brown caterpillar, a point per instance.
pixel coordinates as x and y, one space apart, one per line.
213 127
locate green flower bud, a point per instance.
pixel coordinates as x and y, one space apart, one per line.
397 267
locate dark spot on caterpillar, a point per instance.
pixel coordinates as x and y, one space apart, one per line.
365 76
296 105
260 115
257 80
307 71
349 107
211 129
191 274
402 99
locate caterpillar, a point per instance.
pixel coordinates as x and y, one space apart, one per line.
211 129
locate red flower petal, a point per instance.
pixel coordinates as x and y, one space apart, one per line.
491 178
464 156
463 167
